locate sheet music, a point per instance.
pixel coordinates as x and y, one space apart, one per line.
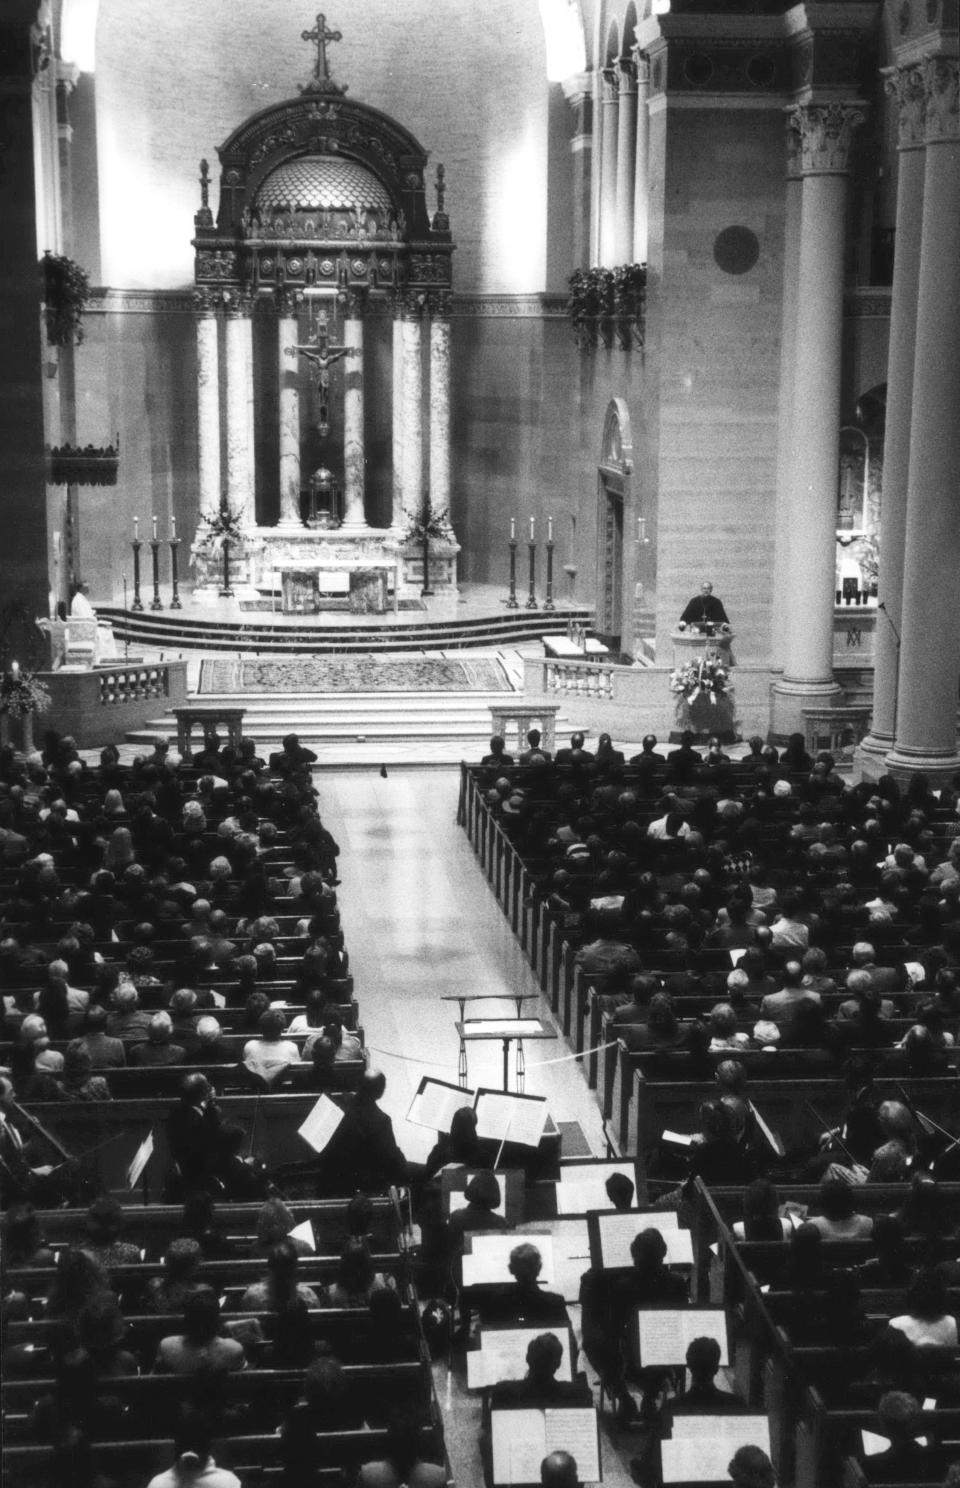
702 1446
436 1102
571 1255
502 1355
665 1334
489 1257
141 1157
503 1027
522 1438
303 1232
617 1232
583 1188
525 1116
873 1444
321 1123
679 1139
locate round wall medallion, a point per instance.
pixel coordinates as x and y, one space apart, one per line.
698 69
358 268
266 265
761 70
327 267
736 250
295 266
384 266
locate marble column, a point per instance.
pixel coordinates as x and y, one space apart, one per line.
208 403
609 104
288 376
626 160
239 399
578 93
641 161
397 369
440 403
354 443
907 83
788 335
926 725
411 405
824 134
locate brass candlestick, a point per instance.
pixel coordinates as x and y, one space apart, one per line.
137 601
175 574
532 598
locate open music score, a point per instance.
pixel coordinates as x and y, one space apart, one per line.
701 1446
522 1438
502 1355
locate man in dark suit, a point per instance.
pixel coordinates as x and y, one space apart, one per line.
540 1389
363 1152
704 1398
194 1134
705 608
682 762
575 754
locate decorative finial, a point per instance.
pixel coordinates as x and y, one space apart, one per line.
441 222
321 82
204 218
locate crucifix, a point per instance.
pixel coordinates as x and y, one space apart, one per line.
322 355
321 69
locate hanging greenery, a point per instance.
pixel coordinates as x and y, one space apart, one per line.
427 523
605 303
66 290
23 694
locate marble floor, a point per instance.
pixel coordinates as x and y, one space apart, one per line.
420 920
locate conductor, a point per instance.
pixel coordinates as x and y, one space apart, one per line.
705 608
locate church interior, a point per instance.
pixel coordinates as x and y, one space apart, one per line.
480 537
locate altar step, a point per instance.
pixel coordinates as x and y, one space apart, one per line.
360 729
175 633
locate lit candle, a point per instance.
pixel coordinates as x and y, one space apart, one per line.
154 524
173 527
136 529
531 529
513 529
15 670
549 529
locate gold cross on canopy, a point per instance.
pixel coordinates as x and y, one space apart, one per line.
322 81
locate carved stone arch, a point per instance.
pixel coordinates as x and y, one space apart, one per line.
631 20
616 447
612 50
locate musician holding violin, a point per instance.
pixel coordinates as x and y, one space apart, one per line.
24 1142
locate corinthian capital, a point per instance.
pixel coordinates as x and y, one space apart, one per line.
609 85
941 79
823 134
906 84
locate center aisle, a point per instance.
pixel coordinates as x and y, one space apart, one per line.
420 920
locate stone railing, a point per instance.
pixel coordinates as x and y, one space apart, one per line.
132 684
578 678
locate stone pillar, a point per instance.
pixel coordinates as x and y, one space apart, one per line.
926 725
288 409
398 517
609 104
208 403
824 135
641 153
907 83
626 160
354 443
440 403
788 336
240 472
411 405
577 92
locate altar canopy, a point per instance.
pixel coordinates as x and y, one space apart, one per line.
322 224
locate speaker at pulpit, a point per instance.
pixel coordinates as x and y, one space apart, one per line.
694 644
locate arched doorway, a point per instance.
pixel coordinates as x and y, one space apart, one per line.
620 531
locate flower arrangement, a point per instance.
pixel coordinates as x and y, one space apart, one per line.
213 530
608 302
21 694
66 290
427 523
707 675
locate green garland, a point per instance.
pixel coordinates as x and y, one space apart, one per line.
66 290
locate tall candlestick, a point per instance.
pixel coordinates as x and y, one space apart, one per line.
154 525
175 574
512 597
137 601
531 597
155 545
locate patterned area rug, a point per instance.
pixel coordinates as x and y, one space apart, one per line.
353 674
